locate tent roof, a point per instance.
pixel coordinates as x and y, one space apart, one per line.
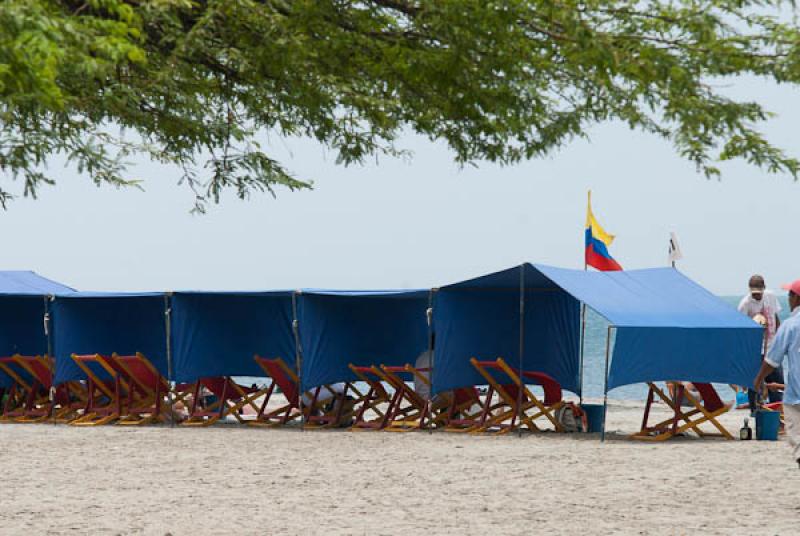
27 283
655 297
91 294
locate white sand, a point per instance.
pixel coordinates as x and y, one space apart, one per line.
230 479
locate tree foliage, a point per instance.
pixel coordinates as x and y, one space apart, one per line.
205 84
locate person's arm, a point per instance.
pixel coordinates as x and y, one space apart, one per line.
774 356
777 321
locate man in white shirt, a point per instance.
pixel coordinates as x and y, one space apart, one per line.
762 306
786 345
760 301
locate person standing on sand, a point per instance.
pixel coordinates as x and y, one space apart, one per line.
786 344
762 306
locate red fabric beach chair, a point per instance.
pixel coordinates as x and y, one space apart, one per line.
320 412
17 394
466 409
147 390
407 409
703 410
230 398
518 405
104 390
375 406
68 397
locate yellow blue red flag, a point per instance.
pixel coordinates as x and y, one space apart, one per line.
597 243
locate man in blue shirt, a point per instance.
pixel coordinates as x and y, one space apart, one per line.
786 344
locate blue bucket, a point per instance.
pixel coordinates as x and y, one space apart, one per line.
594 416
767 425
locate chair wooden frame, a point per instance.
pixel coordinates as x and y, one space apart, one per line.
703 411
96 413
67 397
230 398
521 410
373 400
18 393
147 390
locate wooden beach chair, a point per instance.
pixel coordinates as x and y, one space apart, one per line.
285 380
375 406
230 398
407 409
104 390
465 410
147 390
519 406
706 410
67 397
17 393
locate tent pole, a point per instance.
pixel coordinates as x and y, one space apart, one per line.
432 353
521 344
170 375
50 356
298 357
605 385
580 357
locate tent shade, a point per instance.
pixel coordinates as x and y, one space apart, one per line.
481 318
21 328
362 328
89 323
668 326
219 333
26 283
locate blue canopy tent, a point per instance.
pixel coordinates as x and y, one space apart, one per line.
23 306
517 314
219 333
362 328
104 323
665 327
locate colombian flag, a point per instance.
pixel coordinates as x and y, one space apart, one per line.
597 242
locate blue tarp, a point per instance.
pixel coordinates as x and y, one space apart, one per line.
89 323
26 283
362 328
481 318
219 333
22 308
668 327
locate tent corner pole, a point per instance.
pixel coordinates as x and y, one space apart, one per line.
605 384
521 345
298 358
432 353
170 374
580 355
49 347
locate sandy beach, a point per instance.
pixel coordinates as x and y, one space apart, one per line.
161 480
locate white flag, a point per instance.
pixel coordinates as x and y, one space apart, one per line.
674 249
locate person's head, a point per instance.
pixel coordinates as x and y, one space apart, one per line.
794 293
757 287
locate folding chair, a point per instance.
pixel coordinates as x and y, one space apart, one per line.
147 390
464 412
376 405
67 397
407 409
517 401
17 394
706 410
230 399
284 379
104 395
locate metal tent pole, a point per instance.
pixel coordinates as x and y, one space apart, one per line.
50 357
521 345
298 356
432 353
605 384
580 356
170 374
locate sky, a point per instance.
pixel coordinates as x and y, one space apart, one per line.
423 222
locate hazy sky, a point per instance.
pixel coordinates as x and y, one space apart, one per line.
421 223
